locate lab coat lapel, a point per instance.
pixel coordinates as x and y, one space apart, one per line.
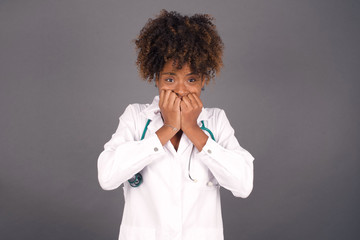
156 123
152 112
184 144
205 114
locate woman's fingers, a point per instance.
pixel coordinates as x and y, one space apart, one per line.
166 98
190 110
170 104
177 103
161 97
198 100
170 109
194 101
187 102
171 100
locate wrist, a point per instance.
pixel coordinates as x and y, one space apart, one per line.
196 136
165 134
175 129
190 128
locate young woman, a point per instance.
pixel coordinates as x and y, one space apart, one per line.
173 155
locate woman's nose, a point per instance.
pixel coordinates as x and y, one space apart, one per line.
181 90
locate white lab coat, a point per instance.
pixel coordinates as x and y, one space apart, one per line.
168 205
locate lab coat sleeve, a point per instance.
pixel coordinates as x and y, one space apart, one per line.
123 156
231 165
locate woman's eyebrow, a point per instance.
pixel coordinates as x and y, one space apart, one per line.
192 73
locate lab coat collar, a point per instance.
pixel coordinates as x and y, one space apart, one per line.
153 111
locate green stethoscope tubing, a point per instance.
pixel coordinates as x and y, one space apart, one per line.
138 179
208 130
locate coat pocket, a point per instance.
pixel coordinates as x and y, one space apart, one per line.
136 233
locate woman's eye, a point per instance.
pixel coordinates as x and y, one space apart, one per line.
169 80
192 80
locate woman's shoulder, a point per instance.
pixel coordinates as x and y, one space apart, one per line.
144 109
133 110
138 107
213 113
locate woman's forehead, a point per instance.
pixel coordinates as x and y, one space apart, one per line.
168 67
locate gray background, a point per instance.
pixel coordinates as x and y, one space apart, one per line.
290 87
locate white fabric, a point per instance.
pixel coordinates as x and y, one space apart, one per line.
168 205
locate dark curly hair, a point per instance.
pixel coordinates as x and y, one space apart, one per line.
185 40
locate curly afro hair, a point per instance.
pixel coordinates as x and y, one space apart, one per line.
185 40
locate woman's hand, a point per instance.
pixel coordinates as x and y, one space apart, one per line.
191 107
169 104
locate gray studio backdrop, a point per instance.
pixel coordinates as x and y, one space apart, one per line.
290 87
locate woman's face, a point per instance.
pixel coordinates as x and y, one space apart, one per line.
181 81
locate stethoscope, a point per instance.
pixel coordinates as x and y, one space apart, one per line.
137 179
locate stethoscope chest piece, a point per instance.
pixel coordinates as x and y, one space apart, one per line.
136 180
